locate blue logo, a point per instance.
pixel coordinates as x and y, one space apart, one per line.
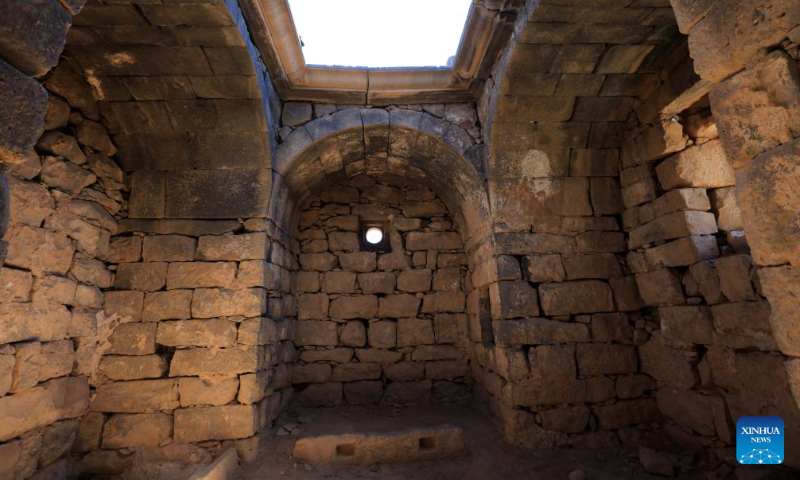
759 440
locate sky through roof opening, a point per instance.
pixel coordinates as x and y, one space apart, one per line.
380 33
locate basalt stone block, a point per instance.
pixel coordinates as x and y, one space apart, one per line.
359 306
214 302
770 184
213 361
513 300
700 166
194 193
211 391
724 40
398 306
668 365
137 430
414 331
248 246
142 396
604 359
197 333
33 50
215 423
126 367
576 297
23 105
42 405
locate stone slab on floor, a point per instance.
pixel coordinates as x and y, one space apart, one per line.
414 445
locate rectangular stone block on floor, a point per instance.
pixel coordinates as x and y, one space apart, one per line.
396 447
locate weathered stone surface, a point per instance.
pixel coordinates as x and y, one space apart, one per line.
148 277
66 176
701 413
366 392
682 252
353 335
39 250
311 373
398 306
246 246
734 278
443 302
660 287
126 304
117 367
750 117
213 390
312 332
44 404
137 430
197 333
169 248
779 285
433 241
339 282
601 359
321 395
576 297
141 396
746 322
771 183
377 282
700 166
212 302
383 334
133 339
358 261
351 372
414 331
667 365
44 322
24 106
626 413
537 331
173 304
321 262
359 306
674 225
513 300
417 280
543 268
211 361
215 423
684 327
61 145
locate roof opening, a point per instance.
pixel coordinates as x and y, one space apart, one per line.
380 33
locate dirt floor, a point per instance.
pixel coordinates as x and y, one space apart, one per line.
489 458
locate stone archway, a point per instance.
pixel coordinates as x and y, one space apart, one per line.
347 152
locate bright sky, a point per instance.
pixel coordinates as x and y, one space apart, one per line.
380 33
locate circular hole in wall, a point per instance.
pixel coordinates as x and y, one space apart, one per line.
374 235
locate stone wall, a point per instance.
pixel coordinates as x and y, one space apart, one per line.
755 81
64 200
714 355
202 350
380 327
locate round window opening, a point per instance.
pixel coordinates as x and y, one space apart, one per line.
374 235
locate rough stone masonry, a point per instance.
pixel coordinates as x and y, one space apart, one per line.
597 249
